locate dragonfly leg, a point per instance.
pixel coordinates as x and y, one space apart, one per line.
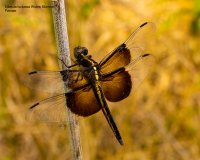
66 64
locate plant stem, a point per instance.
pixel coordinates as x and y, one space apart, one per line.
60 26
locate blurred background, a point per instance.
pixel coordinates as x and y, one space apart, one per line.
159 121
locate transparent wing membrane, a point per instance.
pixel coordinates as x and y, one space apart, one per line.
48 81
49 110
55 81
140 68
141 37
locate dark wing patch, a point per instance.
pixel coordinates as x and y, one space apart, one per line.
117 86
83 103
120 57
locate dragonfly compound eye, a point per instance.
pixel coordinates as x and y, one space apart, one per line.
85 51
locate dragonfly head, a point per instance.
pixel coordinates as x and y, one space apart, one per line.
80 52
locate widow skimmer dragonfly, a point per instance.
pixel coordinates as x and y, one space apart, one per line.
86 85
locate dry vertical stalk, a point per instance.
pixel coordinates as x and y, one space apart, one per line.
60 25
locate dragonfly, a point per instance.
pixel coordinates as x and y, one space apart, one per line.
87 85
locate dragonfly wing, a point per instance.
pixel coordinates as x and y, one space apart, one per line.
120 57
55 81
129 50
139 68
81 101
50 110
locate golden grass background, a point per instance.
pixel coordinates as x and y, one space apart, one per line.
160 121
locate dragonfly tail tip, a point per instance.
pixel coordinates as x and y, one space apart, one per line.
121 142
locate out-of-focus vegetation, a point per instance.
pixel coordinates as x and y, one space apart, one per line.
160 121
